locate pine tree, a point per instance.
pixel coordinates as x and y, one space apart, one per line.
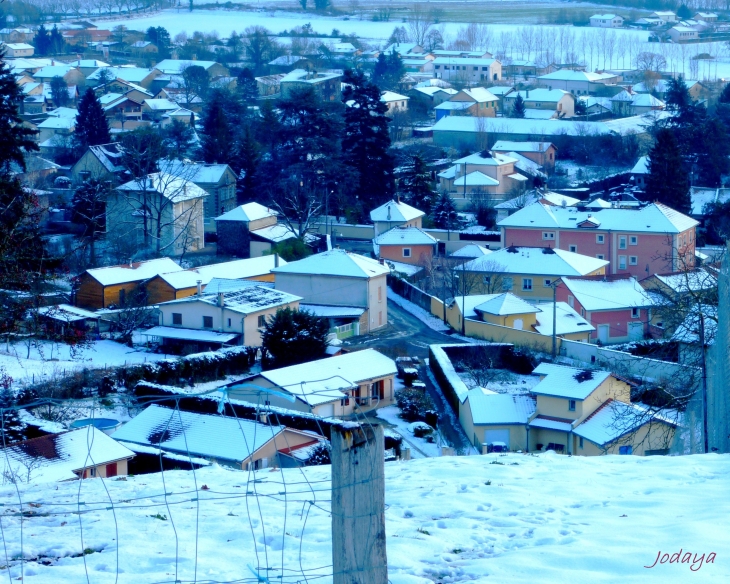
59 91
518 110
14 138
247 88
444 212
56 43
667 181
388 71
678 97
725 95
216 144
42 41
92 126
178 138
712 158
416 185
248 161
294 336
366 141
683 13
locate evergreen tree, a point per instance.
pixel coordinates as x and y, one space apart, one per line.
366 141
678 97
14 138
217 140
92 126
42 41
178 139
161 39
667 181
294 336
444 212
518 110
56 43
725 95
247 88
59 91
684 13
712 158
416 185
388 71
580 107
248 161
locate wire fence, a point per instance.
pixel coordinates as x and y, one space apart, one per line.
265 507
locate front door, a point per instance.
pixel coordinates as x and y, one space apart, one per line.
636 331
603 333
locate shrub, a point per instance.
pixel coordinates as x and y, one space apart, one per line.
413 403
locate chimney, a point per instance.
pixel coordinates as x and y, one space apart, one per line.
220 299
200 287
276 260
264 417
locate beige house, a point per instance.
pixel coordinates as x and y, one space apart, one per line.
163 211
559 101
339 278
225 440
395 102
326 84
103 162
395 213
80 454
466 70
209 321
15 50
571 411
332 387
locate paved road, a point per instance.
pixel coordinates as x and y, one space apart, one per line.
406 336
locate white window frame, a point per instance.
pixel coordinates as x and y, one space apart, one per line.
527 284
571 301
622 242
573 248
633 240
406 252
211 322
622 262
633 260
600 256
600 238
547 283
548 236
635 312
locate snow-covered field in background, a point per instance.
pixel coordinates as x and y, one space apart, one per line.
550 519
104 353
585 43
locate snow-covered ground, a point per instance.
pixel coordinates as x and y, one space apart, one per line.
509 519
425 317
503 381
52 359
420 447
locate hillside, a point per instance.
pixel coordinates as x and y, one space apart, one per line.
546 518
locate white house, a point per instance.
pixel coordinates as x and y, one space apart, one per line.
682 34
395 213
14 50
577 82
395 102
466 69
339 278
607 21
665 15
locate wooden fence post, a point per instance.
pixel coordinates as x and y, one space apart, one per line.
358 505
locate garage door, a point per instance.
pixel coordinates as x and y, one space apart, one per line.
497 436
636 331
326 411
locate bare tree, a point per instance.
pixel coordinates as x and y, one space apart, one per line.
299 207
420 22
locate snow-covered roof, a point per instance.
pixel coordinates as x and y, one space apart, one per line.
646 100
247 212
110 156
405 236
623 96
58 124
572 75
536 196
304 76
403 48
467 304
471 250
454 105
172 187
512 146
335 262
175 66
58 457
501 89
132 74
598 203
653 218
568 382
19 46
485 159
536 261
615 419
478 94
395 211
197 172
52 71
328 311
476 179
234 270
567 320
247 300
541 94
161 104
701 196
549 423
477 61
206 336
275 233
539 114
388 96
134 272
538 127
88 63
609 294
222 438
324 380
694 280
67 313
691 329
432 90
506 303
499 408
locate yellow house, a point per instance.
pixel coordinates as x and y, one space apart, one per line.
529 272
497 418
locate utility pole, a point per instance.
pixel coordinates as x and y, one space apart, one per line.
358 505
555 317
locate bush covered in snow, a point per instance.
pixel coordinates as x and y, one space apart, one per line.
413 403
420 429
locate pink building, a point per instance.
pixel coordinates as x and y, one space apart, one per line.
618 309
636 241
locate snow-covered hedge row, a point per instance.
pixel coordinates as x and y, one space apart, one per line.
443 370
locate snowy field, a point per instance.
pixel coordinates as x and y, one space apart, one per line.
521 519
599 48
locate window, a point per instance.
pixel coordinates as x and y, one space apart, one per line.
548 235
600 238
506 284
527 283
633 261
573 248
622 242
621 262
635 312
583 312
571 405
547 282
580 442
625 449
229 322
262 320
177 318
487 280
633 240
571 301
380 293
599 256
207 322
406 252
